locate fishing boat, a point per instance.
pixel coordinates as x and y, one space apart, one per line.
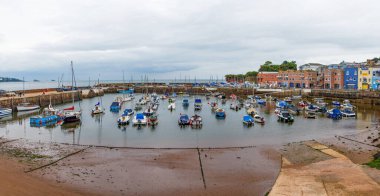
22 107
310 114
248 120
171 106
196 121
334 113
259 119
153 120
251 111
97 109
139 119
348 113
128 112
5 112
198 104
184 119
148 112
185 102
123 120
220 113
293 109
285 116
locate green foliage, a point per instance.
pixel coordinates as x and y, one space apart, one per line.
374 164
286 65
251 74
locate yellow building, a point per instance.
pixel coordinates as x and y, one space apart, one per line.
364 79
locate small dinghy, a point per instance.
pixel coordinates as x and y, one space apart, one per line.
97 109
128 112
123 120
348 113
248 120
171 106
198 104
153 120
185 102
335 114
285 116
148 112
139 119
259 119
251 111
220 113
196 121
310 114
183 120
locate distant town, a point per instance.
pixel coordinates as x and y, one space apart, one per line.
345 75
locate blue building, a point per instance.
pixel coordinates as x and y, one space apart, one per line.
376 78
351 78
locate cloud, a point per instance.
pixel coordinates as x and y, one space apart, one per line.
168 38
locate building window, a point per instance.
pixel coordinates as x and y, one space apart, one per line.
356 73
347 73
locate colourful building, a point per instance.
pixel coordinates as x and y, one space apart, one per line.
364 82
375 78
351 78
297 78
267 78
333 79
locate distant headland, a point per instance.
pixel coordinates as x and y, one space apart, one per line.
5 79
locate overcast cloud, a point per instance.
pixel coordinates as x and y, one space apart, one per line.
168 38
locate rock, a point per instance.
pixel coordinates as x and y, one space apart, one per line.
377 155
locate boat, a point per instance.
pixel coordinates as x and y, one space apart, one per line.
128 112
196 121
5 112
171 100
285 116
214 106
251 111
233 96
293 109
261 101
310 114
334 113
259 119
296 97
148 112
98 109
335 103
320 102
22 107
288 100
347 104
349 113
220 113
281 104
71 116
115 106
123 120
139 119
248 120
185 102
171 106
153 120
198 104
184 119
45 119
311 108
234 106
303 103
138 106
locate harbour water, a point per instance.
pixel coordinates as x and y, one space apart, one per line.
102 130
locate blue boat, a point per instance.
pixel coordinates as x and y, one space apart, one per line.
128 112
334 114
185 102
248 120
198 104
115 106
281 104
336 103
220 113
261 101
184 119
43 120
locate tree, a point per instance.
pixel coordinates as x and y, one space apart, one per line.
251 74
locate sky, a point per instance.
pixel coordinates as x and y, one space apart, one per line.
165 39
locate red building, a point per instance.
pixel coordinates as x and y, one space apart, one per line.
267 78
333 79
297 78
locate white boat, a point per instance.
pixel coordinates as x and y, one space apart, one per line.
171 106
97 110
310 114
123 120
27 107
196 121
5 112
139 119
251 111
126 99
259 119
348 113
